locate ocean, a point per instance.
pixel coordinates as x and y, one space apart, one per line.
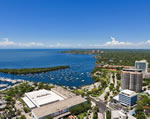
77 75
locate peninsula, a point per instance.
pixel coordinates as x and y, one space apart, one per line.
32 70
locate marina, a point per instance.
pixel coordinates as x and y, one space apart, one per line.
3 85
10 80
77 75
6 83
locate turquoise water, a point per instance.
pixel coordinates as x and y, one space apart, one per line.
77 75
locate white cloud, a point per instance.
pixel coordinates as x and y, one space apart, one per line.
115 43
64 45
59 45
121 44
4 42
30 44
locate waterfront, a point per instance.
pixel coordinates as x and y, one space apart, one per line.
77 75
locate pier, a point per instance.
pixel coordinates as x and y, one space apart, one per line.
3 85
11 80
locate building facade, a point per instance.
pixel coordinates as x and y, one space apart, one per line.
127 97
143 65
132 79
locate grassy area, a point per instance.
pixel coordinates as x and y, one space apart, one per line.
32 70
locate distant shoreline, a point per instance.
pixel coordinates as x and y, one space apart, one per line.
83 52
33 70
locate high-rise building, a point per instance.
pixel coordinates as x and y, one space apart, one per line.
131 79
143 65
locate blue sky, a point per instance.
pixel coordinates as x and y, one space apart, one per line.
74 24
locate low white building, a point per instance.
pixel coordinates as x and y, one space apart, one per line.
118 114
147 92
41 97
56 102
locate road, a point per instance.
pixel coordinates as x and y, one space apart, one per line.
101 106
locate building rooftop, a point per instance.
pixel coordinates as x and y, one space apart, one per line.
116 97
128 92
117 114
62 92
58 106
29 103
45 102
132 70
41 97
141 61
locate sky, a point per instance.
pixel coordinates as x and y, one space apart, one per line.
75 24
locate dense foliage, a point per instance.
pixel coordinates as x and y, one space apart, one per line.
81 51
146 82
142 105
108 114
19 90
123 57
32 70
81 108
95 114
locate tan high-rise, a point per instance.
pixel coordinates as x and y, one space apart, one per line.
131 79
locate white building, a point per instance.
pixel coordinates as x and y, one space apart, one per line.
118 114
143 65
40 97
147 92
54 103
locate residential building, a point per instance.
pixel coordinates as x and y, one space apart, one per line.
128 97
143 65
132 79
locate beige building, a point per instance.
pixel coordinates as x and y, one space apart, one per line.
132 79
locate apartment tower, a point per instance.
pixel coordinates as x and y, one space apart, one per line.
131 79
